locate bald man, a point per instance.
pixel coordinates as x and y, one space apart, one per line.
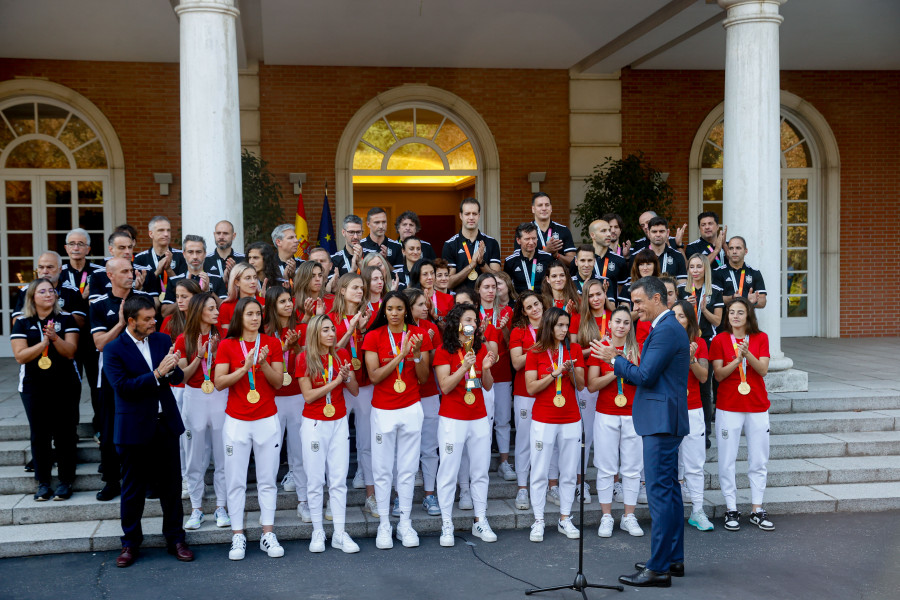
608 265
49 266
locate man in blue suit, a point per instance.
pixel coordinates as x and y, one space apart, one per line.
140 366
661 418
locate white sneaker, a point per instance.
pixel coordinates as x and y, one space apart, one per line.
618 492
238 547
568 528
407 535
317 542
506 472
629 523
371 507
195 519
185 494
465 499
269 544
553 495
420 480
303 512
328 515
685 493
447 539
383 539
358 482
607 523
343 541
642 494
699 520
222 518
587 494
482 529
522 502
288 482
537 531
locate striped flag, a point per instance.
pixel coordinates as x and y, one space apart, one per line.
301 228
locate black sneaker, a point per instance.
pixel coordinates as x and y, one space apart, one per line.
43 493
63 492
761 519
109 491
29 466
732 520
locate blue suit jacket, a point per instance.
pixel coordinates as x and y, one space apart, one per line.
660 402
137 394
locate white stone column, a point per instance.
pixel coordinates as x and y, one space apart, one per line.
752 162
210 118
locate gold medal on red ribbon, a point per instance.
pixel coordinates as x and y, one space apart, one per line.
473 275
207 387
356 364
399 386
162 296
328 411
621 400
469 398
744 388
252 396
286 379
45 362
559 400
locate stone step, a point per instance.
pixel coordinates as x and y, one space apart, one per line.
831 401
17 429
835 422
816 471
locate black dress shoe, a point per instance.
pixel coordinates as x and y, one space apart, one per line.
676 569
109 491
29 466
647 578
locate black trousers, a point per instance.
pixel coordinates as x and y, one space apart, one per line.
53 418
86 360
156 464
110 467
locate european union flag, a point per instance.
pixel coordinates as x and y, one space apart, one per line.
326 228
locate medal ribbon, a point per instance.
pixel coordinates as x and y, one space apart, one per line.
466 376
470 254
352 331
742 367
529 282
330 377
204 364
603 325
434 304
541 235
285 351
41 331
83 281
396 349
619 380
739 288
699 306
556 366
493 315
251 374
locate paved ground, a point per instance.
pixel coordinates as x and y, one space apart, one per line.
809 556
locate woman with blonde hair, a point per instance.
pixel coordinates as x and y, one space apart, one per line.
242 283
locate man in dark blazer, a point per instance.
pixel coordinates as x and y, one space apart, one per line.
660 417
140 366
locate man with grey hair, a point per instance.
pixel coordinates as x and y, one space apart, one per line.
162 260
285 239
79 269
194 251
350 258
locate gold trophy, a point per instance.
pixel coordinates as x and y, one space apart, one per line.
469 332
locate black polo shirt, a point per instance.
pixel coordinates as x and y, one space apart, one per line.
104 311
215 264
712 302
672 262
556 231
403 278
427 249
701 246
99 282
616 271
394 249
454 252
729 279
72 276
216 285
644 243
282 265
146 259
70 301
343 259
62 371
520 268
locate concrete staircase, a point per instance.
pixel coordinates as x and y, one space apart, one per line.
830 452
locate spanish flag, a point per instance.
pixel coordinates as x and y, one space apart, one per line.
301 228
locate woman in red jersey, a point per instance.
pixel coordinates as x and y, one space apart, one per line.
558 289
242 283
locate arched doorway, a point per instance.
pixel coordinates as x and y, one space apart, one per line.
56 173
418 148
810 209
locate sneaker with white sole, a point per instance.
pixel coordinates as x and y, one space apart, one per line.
760 518
195 519
303 512
358 481
431 506
395 509
506 471
384 538
699 520
238 546
222 518
522 501
642 494
587 494
465 499
317 542
447 539
328 514
420 480
371 507
567 528
553 495
685 494
407 535
618 492
342 541
482 529
607 523
537 531
185 494
288 482
269 544
732 520
629 523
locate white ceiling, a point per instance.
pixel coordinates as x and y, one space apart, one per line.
553 34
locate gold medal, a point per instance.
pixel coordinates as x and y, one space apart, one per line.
356 364
621 400
469 398
744 388
252 396
286 379
45 362
399 386
207 387
328 411
162 296
473 275
559 401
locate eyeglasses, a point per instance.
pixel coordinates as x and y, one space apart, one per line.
76 245
45 292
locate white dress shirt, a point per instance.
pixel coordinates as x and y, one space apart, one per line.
143 347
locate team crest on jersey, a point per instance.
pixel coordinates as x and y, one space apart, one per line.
724 434
670 260
377 438
314 446
62 304
611 267
538 445
539 268
749 278
57 326
187 433
523 413
229 450
448 448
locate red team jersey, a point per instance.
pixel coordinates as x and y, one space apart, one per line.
384 396
728 398
313 410
694 400
226 311
340 330
231 353
430 388
453 406
197 378
293 388
521 337
606 399
544 410
502 370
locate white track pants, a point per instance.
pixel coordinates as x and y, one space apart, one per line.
615 444
326 450
290 417
204 417
399 430
502 414
522 406
728 437
464 461
692 457
429 451
178 392
453 436
361 406
544 438
239 438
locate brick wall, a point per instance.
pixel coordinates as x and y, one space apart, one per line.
662 110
